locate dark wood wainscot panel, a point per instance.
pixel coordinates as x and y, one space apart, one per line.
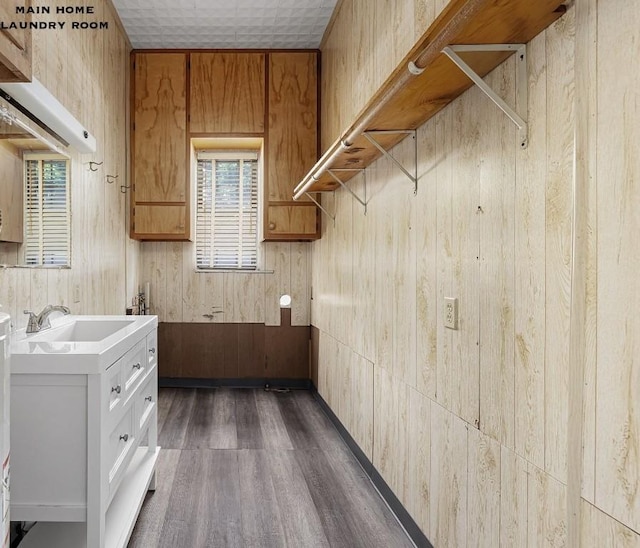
234 350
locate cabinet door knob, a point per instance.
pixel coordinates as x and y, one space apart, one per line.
152 350
116 389
124 437
148 398
137 365
272 226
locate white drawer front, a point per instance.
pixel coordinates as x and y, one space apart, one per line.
121 440
112 388
146 400
134 368
152 348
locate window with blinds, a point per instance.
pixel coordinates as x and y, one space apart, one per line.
227 210
46 211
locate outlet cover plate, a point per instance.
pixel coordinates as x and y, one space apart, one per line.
450 312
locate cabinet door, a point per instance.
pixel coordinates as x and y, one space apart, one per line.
15 45
159 130
293 121
160 159
227 93
292 145
160 222
11 194
294 222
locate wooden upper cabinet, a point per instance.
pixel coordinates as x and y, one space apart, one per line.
11 194
15 45
160 170
292 145
160 127
227 93
293 121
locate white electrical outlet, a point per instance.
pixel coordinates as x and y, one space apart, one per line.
451 312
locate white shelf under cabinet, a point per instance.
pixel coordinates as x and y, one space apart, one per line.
120 518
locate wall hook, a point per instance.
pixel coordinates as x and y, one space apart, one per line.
91 164
111 179
123 188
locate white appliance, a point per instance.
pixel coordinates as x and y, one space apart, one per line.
5 327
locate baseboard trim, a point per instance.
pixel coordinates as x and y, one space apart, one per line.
180 382
410 526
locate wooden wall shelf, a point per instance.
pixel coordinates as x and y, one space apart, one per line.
427 80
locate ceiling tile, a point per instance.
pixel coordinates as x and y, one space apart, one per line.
225 23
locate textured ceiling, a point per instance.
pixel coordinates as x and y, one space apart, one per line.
225 24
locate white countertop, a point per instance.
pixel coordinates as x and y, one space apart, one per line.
30 354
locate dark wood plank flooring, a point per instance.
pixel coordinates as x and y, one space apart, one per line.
249 468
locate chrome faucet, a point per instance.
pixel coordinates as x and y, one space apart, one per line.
41 321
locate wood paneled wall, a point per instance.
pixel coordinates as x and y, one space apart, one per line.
87 72
471 428
181 294
234 350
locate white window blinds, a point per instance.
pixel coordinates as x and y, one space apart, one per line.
46 212
227 211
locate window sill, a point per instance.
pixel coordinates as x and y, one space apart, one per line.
232 271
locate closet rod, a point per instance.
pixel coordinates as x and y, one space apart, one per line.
445 29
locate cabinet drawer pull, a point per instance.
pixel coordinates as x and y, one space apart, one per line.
124 437
148 398
116 389
137 365
152 350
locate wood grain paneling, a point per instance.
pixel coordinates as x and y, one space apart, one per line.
418 495
251 350
600 529
87 72
617 471
560 150
180 293
530 261
160 125
547 519
227 93
484 477
583 358
481 199
449 487
513 499
293 108
154 219
234 350
287 352
287 220
497 267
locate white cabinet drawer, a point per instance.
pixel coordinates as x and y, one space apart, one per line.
152 348
120 443
145 400
112 389
134 368
120 440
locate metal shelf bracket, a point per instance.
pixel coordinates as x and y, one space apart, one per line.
332 217
362 201
413 177
521 81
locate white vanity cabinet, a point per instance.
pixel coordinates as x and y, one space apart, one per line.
84 442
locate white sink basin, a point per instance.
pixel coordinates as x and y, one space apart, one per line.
81 330
77 344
